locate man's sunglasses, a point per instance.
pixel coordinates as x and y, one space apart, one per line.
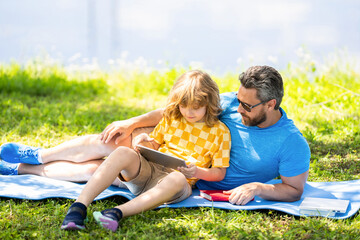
248 107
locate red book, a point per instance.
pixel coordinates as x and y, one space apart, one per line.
214 195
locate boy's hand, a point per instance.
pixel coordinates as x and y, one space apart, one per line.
144 140
189 171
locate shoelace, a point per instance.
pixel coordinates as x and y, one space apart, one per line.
25 152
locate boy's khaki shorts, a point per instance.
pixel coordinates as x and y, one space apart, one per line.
149 176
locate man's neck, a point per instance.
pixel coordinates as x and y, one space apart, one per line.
272 118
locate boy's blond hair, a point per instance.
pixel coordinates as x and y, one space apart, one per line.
196 89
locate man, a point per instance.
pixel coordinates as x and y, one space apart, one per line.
265 144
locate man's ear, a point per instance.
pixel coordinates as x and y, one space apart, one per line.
271 104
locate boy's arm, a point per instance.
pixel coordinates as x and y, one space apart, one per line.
125 127
213 174
208 174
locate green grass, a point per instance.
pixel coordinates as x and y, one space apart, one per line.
45 104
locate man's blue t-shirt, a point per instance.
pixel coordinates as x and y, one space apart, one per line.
260 154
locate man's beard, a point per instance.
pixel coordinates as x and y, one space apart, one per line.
254 121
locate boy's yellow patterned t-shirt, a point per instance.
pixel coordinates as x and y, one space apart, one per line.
194 142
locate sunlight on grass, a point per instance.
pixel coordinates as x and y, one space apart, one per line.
44 104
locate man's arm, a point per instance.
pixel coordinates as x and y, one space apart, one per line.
125 127
289 190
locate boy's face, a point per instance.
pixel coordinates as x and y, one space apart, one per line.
193 113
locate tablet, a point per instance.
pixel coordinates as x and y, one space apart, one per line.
161 158
323 206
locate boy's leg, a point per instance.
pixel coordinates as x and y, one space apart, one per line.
172 188
124 160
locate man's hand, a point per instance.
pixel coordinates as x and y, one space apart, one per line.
243 194
122 128
289 190
189 171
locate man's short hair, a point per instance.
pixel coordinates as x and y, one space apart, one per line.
266 80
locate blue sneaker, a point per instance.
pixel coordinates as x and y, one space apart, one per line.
109 218
106 222
75 218
19 153
8 168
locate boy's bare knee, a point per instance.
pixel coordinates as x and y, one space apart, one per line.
126 160
124 153
176 181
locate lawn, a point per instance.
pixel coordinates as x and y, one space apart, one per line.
44 104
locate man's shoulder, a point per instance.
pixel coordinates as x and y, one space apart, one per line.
228 96
290 131
226 100
286 123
